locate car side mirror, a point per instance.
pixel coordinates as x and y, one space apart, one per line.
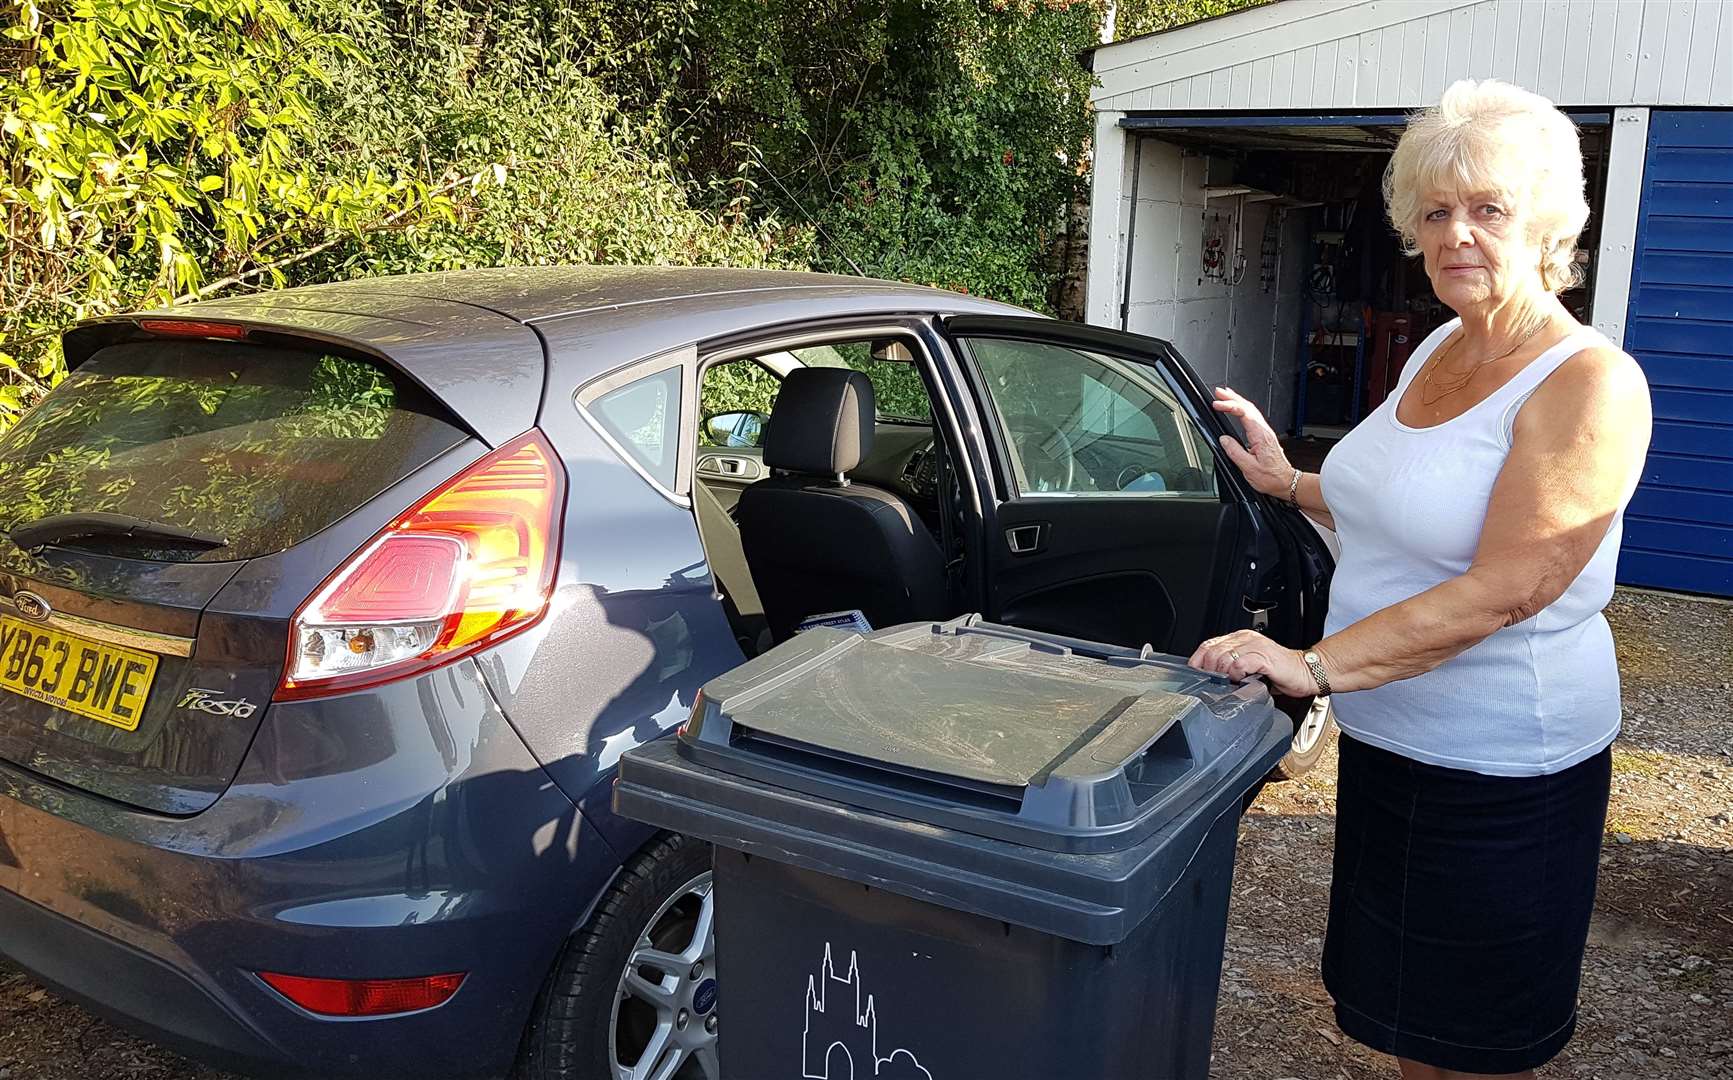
742 427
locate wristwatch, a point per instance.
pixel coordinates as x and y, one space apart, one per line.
1316 663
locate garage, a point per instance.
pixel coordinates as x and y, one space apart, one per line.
1236 211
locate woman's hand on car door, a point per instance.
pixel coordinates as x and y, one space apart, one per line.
1262 460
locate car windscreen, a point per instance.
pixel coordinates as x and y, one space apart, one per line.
260 446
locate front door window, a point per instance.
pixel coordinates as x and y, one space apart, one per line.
1084 423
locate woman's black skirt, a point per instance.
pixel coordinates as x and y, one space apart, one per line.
1460 907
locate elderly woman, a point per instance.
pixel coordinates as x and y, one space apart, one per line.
1479 513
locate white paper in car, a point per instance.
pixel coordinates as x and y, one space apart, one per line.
855 620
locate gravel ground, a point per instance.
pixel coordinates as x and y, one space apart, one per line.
1658 980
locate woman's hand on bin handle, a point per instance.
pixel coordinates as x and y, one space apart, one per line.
1261 460
1245 654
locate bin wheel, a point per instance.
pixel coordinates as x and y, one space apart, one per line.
1311 736
633 995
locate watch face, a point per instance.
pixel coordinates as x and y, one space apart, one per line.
1311 658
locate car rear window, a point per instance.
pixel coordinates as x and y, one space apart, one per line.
261 446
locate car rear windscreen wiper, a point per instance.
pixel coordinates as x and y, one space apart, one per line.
60 527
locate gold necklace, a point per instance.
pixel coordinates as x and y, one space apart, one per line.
1429 396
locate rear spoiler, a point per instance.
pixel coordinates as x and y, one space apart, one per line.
486 369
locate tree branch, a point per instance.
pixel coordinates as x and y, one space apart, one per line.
206 291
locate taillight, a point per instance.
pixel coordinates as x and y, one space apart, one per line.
364 997
197 328
467 566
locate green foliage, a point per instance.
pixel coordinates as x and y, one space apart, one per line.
502 92
934 141
1136 17
156 150
149 150
735 386
161 150
346 400
897 389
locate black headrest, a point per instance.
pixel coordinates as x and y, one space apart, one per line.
822 422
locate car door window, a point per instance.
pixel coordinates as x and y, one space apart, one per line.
1079 422
643 418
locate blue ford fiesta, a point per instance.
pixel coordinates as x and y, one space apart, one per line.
326 614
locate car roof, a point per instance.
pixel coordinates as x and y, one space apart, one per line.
537 294
474 337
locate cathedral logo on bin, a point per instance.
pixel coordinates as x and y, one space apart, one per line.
842 1031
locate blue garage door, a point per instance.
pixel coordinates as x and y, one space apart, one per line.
1679 531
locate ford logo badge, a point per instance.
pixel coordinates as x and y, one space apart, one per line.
32 606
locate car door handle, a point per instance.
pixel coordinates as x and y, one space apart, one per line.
737 468
1024 539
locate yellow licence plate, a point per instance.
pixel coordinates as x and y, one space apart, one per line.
91 678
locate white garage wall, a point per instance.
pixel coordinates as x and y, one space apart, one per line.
1227 332
1401 54
1285 341
1252 311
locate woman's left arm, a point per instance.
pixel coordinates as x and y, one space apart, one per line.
1576 452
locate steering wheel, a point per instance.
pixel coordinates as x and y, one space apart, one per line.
1140 478
1048 457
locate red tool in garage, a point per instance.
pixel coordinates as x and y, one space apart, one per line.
1392 343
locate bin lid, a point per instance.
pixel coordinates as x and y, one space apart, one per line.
1054 784
1049 742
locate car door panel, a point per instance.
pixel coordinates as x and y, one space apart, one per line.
1150 537
1117 570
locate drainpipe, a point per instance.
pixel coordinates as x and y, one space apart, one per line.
1131 232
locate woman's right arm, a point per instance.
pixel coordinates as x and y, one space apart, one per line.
1263 462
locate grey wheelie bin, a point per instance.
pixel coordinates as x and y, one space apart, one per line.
961 851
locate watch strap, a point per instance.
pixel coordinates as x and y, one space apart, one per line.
1316 664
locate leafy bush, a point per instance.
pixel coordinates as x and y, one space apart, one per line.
446 88
161 150
735 386
935 141
149 151
1148 16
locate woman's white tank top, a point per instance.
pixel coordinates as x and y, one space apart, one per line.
1534 698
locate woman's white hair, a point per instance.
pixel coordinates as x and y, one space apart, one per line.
1492 136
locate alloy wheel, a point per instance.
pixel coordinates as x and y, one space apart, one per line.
664 1023
1312 727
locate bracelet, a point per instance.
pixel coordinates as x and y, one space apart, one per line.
1294 490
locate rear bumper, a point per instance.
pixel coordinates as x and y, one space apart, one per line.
401 832
128 985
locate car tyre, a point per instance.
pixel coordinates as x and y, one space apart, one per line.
614 998
1312 734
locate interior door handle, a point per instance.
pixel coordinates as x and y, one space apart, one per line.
1023 539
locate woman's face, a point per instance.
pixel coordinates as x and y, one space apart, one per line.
1477 251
